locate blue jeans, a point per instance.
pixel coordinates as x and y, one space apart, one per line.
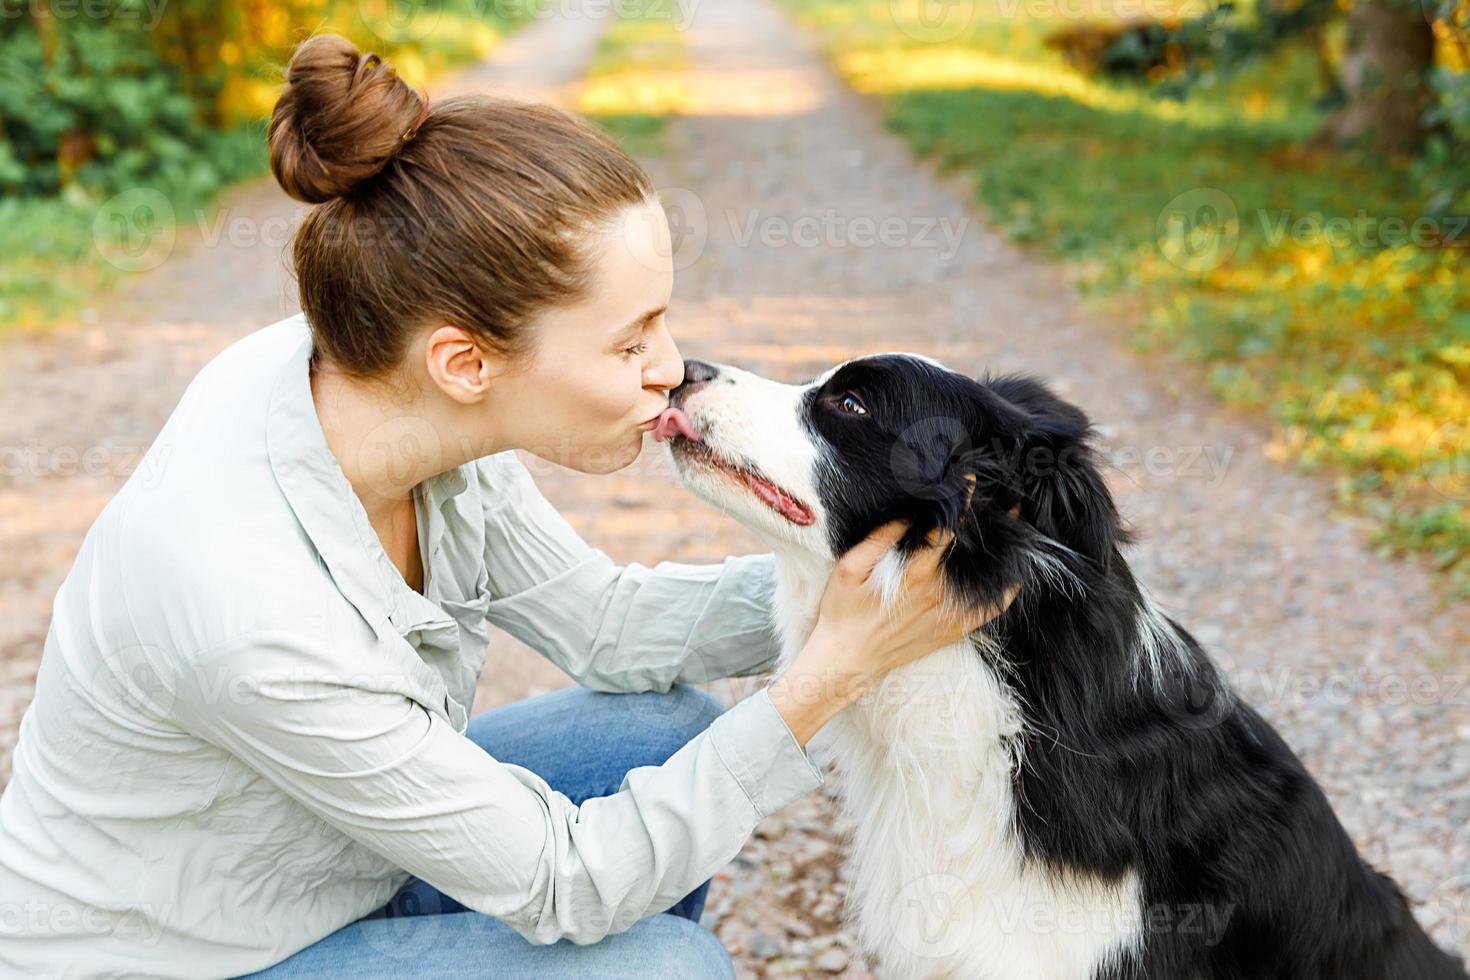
582 743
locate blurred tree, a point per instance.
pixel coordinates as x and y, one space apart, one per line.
87 99
109 94
1398 85
1384 77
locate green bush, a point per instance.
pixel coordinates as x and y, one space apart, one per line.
115 96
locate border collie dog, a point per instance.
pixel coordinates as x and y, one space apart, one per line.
1072 793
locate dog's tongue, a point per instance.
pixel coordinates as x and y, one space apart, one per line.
672 422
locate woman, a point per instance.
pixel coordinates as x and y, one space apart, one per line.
250 747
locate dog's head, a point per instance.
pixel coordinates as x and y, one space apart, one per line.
1003 462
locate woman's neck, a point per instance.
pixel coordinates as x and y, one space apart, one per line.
384 448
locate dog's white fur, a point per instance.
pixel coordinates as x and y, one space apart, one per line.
924 762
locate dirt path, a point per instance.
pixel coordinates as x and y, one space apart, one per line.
778 183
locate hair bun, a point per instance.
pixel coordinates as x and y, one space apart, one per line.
342 117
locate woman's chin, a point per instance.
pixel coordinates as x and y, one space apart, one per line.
609 460
634 450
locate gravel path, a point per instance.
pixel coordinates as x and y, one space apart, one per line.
824 241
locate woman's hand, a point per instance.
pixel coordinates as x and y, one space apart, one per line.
877 639
857 640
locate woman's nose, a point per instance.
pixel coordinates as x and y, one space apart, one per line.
697 374
665 371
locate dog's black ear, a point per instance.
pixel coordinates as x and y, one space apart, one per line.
1057 476
959 474
938 457
1017 443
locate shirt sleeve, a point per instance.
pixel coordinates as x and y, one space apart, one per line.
618 628
389 773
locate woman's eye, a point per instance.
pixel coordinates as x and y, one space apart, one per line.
639 348
851 405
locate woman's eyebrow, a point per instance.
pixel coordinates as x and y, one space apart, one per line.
637 322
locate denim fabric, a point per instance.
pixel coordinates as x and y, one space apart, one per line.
582 743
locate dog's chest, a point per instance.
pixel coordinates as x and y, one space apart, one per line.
925 764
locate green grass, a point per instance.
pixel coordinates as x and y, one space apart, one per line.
634 84
62 251
1183 214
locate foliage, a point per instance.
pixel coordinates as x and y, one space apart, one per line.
1311 284
1236 35
105 98
634 84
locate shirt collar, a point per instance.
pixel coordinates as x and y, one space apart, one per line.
329 510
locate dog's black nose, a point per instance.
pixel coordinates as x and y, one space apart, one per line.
696 375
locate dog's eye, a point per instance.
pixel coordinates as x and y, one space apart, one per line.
850 405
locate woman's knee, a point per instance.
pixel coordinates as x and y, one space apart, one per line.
677 947
704 707
679 714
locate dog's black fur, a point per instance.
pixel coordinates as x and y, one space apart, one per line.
1168 775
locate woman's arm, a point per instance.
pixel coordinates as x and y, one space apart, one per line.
381 768
309 713
617 628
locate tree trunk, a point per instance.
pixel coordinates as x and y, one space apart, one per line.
1384 76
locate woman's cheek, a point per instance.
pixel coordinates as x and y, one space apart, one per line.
624 393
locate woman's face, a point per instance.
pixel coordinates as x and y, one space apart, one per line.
600 371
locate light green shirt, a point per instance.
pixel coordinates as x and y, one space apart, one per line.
248 730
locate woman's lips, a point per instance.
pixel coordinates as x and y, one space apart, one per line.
673 422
